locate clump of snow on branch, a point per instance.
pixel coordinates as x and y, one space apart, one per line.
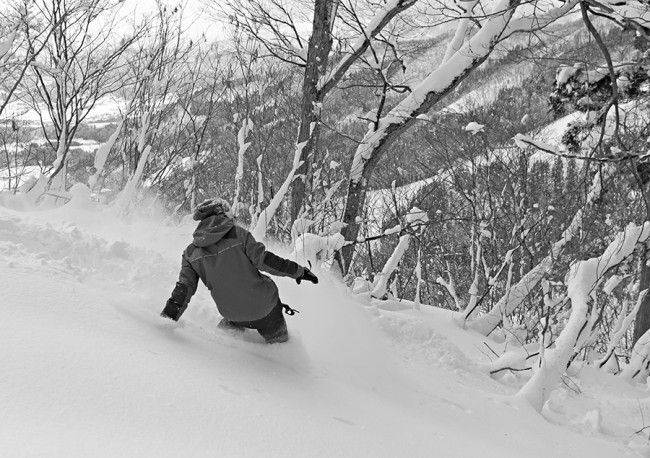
245 129
102 154
565 72
451 288
259 229
511 360
474 127
414 217
393 230
381 285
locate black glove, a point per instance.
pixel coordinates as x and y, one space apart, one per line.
173 310
308 276
176 305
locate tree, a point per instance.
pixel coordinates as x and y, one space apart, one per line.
642 322
276 26
20 45
461 58
81 63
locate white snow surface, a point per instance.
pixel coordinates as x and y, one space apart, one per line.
106 109
89 368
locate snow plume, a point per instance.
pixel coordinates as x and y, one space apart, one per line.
80 197
87 353
581 281
317 250
300 226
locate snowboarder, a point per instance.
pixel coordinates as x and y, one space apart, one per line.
228 261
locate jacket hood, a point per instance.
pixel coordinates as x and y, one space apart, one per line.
212 229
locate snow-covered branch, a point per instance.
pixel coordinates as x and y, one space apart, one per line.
246 127
125 198
582 279
537 20
629 12
391 9
621 330
102 154
524 141
260 228
414 216
382 278
433 87
461 31
418 279
450 287
486 323
639 364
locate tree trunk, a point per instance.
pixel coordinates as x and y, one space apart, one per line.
320 45
376 143
642 323
438 84
317 83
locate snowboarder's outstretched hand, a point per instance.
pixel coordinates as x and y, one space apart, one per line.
307 275
172 310
174 307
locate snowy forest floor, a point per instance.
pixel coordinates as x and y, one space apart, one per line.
89 368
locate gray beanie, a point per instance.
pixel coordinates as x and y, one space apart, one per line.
211 207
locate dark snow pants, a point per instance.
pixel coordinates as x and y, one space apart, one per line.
272 327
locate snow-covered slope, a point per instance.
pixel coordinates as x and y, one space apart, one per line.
88 368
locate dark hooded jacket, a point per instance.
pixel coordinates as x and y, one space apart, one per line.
228 261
